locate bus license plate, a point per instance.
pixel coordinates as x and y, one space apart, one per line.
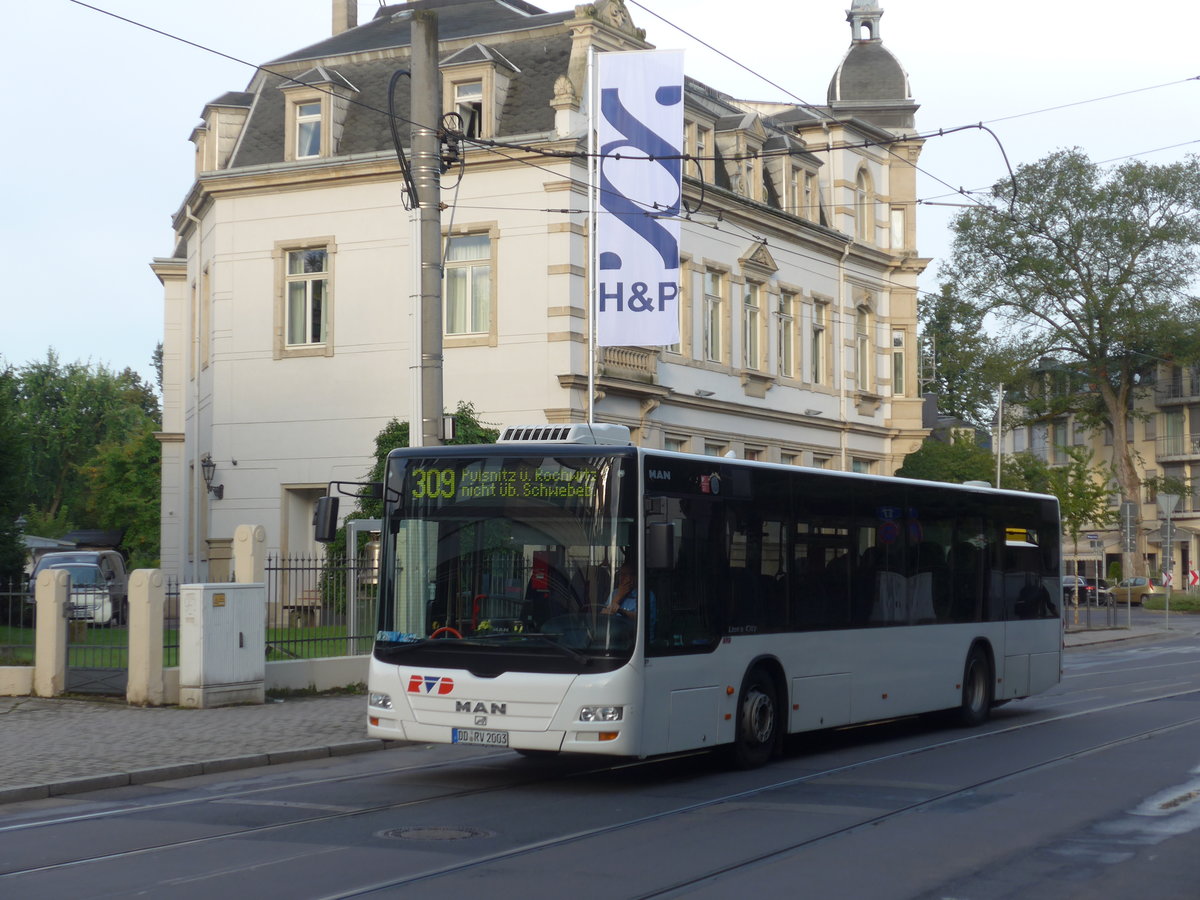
478 736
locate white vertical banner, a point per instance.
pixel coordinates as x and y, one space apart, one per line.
639 130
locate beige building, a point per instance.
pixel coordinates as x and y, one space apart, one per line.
1164 428
288 297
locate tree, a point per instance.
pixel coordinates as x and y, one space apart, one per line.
67 411
1082 494
124 484
13 461
959 461
969 365
1092 269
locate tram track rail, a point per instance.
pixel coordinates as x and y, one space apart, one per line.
324 814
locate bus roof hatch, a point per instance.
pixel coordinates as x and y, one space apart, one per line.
579 433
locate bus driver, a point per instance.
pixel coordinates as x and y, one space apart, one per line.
624 595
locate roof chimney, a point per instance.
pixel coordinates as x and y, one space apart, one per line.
345 15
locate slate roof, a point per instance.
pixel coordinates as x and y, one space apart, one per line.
539 62
456 19
535 63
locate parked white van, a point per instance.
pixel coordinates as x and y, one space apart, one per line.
112 568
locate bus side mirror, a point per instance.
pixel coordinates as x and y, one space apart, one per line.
660 545
325 519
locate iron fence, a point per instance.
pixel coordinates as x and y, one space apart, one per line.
171 622
320 606
17 635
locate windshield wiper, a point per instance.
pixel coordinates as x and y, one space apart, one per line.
549 641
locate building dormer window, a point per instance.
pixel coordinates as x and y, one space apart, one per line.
475 84
308 129
315 113
468 103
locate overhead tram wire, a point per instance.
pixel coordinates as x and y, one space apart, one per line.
493 147
496 147
541 151
816 110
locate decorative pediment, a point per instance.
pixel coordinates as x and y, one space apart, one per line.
318 76
478 53
759 259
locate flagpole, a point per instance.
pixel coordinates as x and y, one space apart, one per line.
591 269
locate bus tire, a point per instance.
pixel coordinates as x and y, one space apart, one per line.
757 730
976 689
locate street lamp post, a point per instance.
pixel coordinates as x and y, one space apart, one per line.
1167 504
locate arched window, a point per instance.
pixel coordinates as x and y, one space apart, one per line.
864 208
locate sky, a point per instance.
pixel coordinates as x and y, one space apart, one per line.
97 158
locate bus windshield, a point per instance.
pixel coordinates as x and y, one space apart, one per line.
500 562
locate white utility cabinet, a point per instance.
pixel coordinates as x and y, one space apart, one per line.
222 644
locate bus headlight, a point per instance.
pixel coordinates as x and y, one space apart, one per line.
379 701
602 714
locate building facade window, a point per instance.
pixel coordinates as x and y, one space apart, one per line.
675 444
898 361
307 296
896 223
704 148
308 129
862 466
862 349
751 326
820 334
468 280
714 310
787 335
863 207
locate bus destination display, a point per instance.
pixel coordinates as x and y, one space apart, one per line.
447 484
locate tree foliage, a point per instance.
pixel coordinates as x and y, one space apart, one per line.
958 461
77 444
969 365
124 484
12 462
1092 269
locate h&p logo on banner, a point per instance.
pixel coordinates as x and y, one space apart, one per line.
637 234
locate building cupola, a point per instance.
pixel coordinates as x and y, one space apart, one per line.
870 83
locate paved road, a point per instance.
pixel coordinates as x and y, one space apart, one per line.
65 746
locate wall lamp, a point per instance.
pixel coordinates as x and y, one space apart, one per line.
208 468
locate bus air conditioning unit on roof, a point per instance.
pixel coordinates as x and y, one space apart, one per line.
580 433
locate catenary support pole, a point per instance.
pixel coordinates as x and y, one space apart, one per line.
425 143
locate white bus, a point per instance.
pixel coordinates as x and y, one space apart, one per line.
770 599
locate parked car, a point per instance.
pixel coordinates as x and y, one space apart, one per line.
1091 591
1135 589
110 563
90 598
1099 592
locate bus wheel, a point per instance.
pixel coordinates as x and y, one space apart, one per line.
757 721
976 689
